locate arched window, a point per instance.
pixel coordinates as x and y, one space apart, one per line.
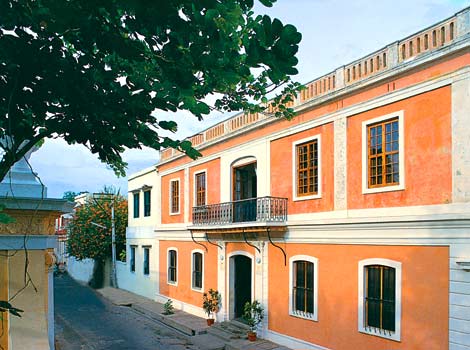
410 49
403 52
434 38
451 31
443 35
197 268
418 45
172 263
426 41
384 59
380 298
303 283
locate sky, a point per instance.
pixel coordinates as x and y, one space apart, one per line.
334 33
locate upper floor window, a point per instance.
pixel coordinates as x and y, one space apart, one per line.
306 155
172 266
383 160
174 196
380 297
200 183
146 260
147 203
136 197
304 287
132 259
197 270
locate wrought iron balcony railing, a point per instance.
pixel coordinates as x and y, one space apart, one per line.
262 209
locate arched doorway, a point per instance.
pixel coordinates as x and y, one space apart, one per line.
240 284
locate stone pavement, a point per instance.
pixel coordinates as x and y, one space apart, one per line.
222 336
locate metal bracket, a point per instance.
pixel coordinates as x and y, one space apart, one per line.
278 247
210 242
250 244
192 237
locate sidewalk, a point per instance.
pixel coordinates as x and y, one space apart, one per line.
195 328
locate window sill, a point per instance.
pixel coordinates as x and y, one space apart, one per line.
176 213
383 189
175 284
305 198
381 333
199 290
304 315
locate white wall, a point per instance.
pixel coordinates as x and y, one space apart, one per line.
137 282
80 270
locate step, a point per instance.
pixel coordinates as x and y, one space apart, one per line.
221 333
207 342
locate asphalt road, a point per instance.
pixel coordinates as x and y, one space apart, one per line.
84 320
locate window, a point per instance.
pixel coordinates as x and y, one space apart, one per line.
307 172
380 297
197 270
172 266
303 283
200 183
174 196
132 262
146 260
383 154
147 203
136 204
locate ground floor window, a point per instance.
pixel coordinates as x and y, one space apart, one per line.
132 259
197 270
172 266
380 297
146 260
304 287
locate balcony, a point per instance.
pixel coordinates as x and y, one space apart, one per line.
262 210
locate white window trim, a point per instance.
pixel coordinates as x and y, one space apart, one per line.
192 270
149 247
168 265
295 173
401 153
171 196
195 186
292 312
360 308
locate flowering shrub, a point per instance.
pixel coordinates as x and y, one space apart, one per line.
86 240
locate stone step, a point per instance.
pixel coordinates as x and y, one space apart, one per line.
221 333
207 342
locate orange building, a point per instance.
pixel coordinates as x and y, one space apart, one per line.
350 223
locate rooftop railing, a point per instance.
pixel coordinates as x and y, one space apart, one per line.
259 210
430 39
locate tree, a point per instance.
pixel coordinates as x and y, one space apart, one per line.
70 195
99 73
90 230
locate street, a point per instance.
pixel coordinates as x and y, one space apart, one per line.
84 320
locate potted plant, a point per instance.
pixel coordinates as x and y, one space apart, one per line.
253 315
211 304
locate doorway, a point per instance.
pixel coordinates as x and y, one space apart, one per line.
244 192
240 284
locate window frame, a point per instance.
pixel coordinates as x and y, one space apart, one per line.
361 295
173 283
194 288
308 316
132 256
149 204
136 204
146 261
171 197
401 153
295 196
195 200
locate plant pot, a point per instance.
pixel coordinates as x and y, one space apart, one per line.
210 321
251 336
